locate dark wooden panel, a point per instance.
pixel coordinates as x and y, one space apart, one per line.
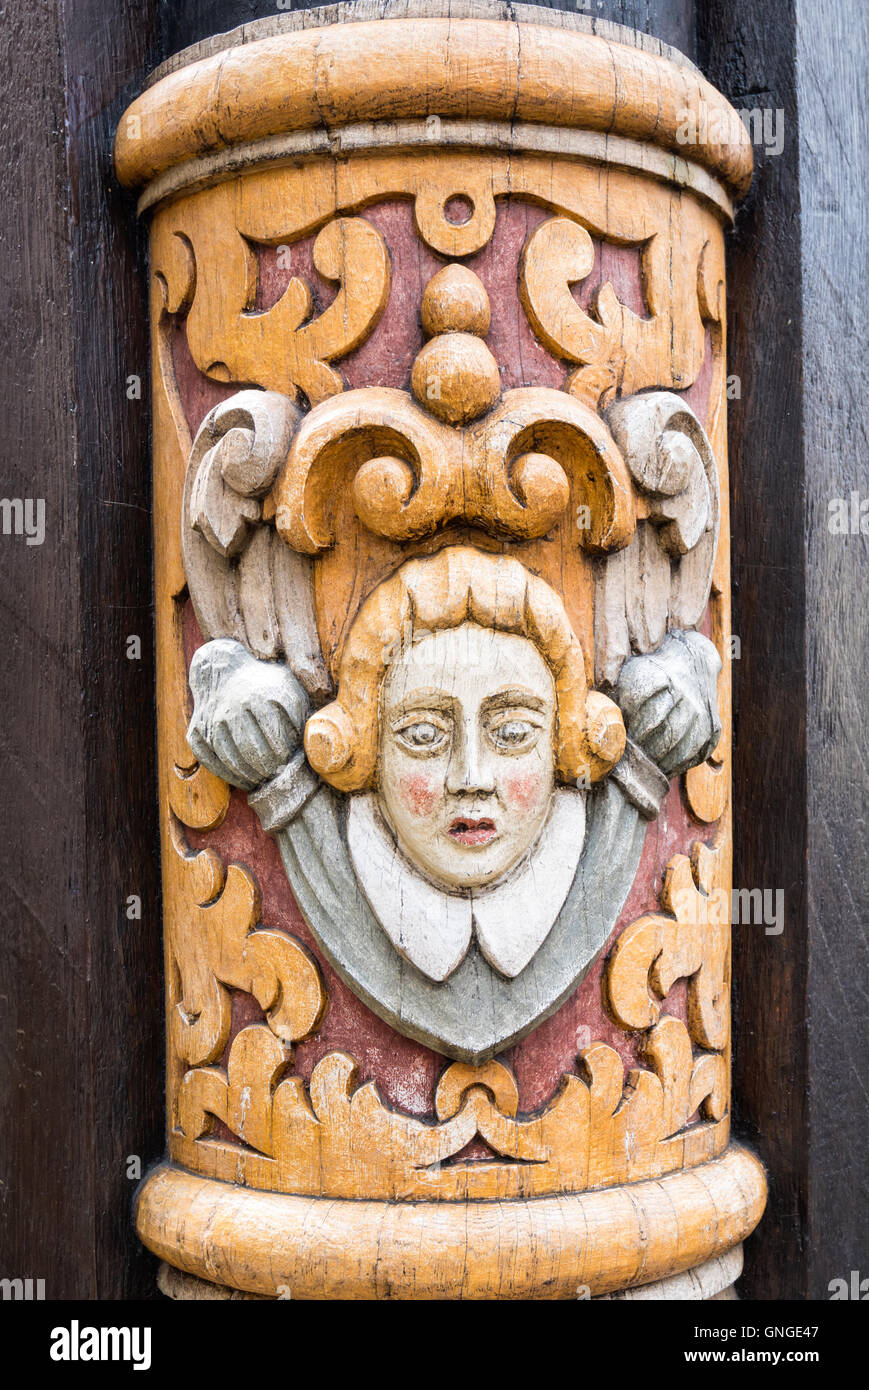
750 55
108 50
46 1195
797 299
82 1044
834 174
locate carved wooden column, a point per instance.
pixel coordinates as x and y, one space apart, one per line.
442 587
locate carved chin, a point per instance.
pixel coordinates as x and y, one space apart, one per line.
470 851
505 896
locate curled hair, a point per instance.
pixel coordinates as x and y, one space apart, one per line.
459 585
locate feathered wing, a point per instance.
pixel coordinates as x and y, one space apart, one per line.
244 581
660 582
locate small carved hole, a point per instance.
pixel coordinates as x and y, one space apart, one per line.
458 210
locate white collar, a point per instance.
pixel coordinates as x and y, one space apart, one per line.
433 928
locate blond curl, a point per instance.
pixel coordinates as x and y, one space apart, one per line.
459 585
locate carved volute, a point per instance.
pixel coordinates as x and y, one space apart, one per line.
443 599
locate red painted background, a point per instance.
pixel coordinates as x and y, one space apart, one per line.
406 1072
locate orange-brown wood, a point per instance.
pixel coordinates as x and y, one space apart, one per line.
422 67
372 478
586 1244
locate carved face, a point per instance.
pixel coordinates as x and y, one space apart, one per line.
467 764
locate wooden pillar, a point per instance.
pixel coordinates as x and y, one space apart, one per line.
442 550
81 990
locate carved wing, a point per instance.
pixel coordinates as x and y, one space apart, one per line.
660 581
244 581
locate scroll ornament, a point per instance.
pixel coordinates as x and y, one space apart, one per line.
259 489
603 1127
326 745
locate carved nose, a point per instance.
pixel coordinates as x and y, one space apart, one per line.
469 772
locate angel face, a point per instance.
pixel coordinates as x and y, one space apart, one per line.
467 764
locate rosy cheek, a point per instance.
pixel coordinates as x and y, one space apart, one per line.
419 794
523 791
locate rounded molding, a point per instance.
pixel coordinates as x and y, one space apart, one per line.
354 11
262 96
586 1244
713 1280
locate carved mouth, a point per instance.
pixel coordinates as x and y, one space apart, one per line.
472 832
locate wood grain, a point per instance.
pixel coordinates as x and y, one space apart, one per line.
301 80
799 610
453 457
266 1242
204 22
811 1228
81 992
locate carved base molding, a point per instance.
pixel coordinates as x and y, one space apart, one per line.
691 1286
713 1281
276 1245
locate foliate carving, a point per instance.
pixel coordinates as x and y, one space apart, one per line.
221 945
241 1097
670 458
492 472
661 579
460 859
421 629
245 583
617 349
192 793
339 1139
452 653
211 273
233 463
693 944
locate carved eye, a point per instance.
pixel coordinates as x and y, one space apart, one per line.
423 736
514 735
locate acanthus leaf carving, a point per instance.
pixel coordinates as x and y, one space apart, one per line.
603 1126
193 794
245 583
617 351
693 944
512 467
609 1127
211 272
661 580
219 945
